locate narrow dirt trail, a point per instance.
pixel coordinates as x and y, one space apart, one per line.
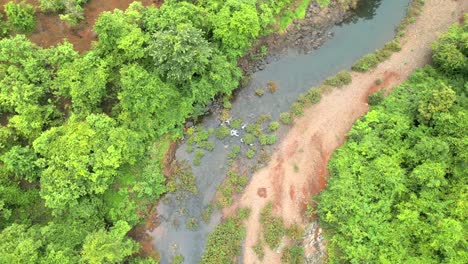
313 137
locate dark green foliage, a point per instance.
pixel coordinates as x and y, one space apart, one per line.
396 192
21 16
376 98
340 79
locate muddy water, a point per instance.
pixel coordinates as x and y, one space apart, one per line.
51 30
295 73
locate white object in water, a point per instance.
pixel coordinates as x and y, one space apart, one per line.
244 126
234 133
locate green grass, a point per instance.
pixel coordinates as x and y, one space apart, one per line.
273 227
288 15
340 79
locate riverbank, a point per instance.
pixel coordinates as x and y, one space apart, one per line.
313 138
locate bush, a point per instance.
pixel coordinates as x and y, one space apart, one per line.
267 139
263 118
222 132
286 118
250 153
254 129
236 123
340 79
297 109
249 139
234 152
21 16
273 126
314 95
198 156
293 255
260 92
376 98
272 86
273 228
258 248
366 63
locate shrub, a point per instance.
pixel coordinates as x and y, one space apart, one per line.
178 259
314 95
234 152
250 153
286 118
272 86
267 139
376 98
295 232
260 92
273 126
198 156
366 63
21 16
254 129
192 224
236 123
340 79
249 139
297 109
273 228
258 248
293 255
222 132
263 118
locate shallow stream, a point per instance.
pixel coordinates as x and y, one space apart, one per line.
295 72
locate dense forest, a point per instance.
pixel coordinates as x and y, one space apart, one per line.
398 187
81 135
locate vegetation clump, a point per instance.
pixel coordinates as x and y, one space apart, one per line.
286 118
272 86
21 16
340 79
225 242
272 227
222 132
234 184
260 92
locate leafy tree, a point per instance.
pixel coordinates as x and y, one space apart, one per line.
236 25
108 246
21 16
180 53
20 161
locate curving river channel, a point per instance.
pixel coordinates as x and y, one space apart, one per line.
369 28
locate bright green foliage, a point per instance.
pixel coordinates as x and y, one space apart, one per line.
235 150
180 53
273 126
451 51
288 15
81 136
236 123
21 16
236 25
108 246
249 139
225 242
397 191
70 10
250 153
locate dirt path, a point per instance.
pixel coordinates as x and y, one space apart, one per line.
311 141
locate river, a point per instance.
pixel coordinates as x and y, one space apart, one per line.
371 26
